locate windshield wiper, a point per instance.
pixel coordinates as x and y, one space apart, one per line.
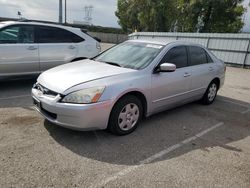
112 63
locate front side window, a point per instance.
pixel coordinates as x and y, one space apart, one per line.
56 35
177 56
134 55
198 56
17 34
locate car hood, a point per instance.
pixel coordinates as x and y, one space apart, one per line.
63 77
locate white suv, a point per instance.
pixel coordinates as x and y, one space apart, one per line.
33 47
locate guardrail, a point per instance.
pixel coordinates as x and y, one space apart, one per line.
231 48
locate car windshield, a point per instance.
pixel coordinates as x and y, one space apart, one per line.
133 55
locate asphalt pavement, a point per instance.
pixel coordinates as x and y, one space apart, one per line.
190 146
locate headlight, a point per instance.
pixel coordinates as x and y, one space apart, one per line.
85 96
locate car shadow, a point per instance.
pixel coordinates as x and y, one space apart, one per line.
16 93
161 131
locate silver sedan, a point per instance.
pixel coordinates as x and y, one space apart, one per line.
132 80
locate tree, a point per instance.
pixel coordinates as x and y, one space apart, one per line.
214 15
128 14
181 15
146 15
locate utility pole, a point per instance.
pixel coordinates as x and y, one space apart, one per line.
88 14
65 11
60 12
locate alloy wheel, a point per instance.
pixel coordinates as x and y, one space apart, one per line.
128 117
212 92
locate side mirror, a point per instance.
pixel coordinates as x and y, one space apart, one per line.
166 67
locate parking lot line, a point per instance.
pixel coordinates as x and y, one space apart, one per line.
14 97
155 156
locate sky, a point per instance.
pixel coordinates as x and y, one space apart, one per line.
103 11
246 27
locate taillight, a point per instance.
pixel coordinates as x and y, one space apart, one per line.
98 46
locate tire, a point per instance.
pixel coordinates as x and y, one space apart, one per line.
210 94
125 115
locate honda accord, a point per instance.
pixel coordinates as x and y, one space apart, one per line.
132 80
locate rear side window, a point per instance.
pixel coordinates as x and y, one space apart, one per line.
177 56
209 59
56 35
198 56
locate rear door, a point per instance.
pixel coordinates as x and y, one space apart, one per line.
56 46
172 87
18 51
203 69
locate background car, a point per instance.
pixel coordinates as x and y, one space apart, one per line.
33 47
116 89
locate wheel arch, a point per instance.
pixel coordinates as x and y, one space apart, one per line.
217 81
137 94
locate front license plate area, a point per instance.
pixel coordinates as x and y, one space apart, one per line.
37 103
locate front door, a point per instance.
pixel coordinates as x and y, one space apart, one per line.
172 87
18 52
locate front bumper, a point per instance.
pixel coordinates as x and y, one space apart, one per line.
73 116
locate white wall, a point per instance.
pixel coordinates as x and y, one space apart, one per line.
231 48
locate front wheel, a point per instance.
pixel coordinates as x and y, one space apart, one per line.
125 115
210 94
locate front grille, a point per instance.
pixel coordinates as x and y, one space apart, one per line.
45 90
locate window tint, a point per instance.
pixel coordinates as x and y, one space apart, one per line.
197 56
26 34
177 56
56 35
17 34
9 35
75 38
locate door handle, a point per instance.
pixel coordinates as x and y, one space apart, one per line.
72 47
31 48
187 74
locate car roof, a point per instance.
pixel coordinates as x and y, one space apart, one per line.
166 42
6 23
37 23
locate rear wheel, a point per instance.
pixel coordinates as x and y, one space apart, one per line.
210 94
125 115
